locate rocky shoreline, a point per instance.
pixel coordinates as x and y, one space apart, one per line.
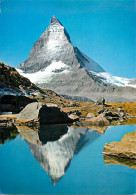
126 148
39 113
36 114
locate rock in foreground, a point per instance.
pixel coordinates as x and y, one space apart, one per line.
43 114
126 148
99 120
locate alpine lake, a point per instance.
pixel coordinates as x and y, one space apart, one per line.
63 159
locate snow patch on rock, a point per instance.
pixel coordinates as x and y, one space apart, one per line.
116 81
47 74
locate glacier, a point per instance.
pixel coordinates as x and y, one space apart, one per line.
57 68
46 75
114 80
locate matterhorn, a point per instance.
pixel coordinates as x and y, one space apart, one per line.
56 64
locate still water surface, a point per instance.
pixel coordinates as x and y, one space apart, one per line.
36 163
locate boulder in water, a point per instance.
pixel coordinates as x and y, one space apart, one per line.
126 148
43 114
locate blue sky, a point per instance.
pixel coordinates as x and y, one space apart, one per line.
105 30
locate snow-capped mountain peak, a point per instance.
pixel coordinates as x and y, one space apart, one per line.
54 20
56 64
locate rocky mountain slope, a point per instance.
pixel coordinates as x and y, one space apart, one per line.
12 83
16 91
56 64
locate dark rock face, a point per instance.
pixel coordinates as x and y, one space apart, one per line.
6 108
43 114
75 79
52 115
11 103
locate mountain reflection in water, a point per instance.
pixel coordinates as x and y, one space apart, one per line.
55 145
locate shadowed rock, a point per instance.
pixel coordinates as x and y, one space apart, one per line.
42 114
12 103
6 108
